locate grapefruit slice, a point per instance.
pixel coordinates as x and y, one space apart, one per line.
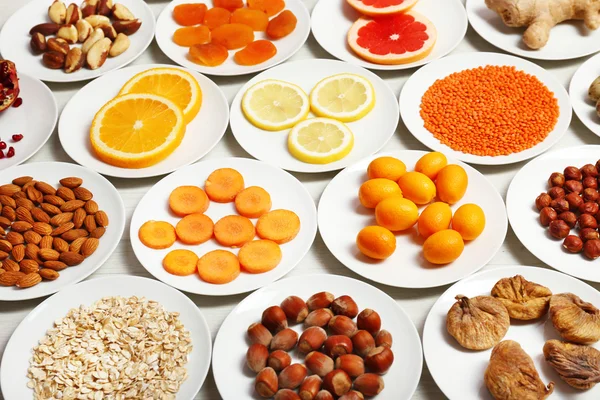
393 39
381 7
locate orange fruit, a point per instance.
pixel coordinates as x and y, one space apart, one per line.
431 164
451 183
396 213
469 221
417 187
374 190
376 242
443 247
386 167
381 7
434 218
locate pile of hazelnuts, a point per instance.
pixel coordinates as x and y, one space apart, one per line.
343 359
573 202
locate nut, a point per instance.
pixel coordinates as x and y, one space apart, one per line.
569 217
587 221
543 200
61 46
274 319
370 321
556 192
384 338
573 173
97 20
259 334
84 30
286 394
573 244
319 363
89 7
294 308
352 395
291 377
266 382
89 247
38 43
589 208
310 387
574 201
71 259
48 274
369 384
45 29
547 215
91 207
342 325
53 59
589 182
323 395
20 181
109 31
352 364
285 340
379 360
344 305
55 265
573 187
122 13
95 58
74 60
29 280
319 300
104 7
337 345
319 317
71 182
74 234
312 339
60 245
256 357
556 179
10 278
278 360
79 217
73 14
560 205
363 343
591 249
57 12
101 218
127 27
590 194
89 223
337 382
589 170
559 229
29 266
588 234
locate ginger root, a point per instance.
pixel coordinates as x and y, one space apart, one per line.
540 16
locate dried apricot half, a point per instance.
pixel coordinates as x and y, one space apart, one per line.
191 35
230 5
270 7
255 53
255 19
209 54
189 14
216 16
282 25
233 36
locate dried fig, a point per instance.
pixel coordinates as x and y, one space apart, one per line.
524 300
574 319
478 323
511 374
576 364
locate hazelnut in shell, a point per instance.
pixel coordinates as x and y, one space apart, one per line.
363 342
384 338
266 383
256 357
310 387
573 187
323 395
379 360
294 308
319 317
274 319
590 194
291 377
342 325
345 305
369 320
286 394
312 339
369 384
337 382
259 334
319 300
352 395
337 345
318 363
589 170
278 360
284 340
352 364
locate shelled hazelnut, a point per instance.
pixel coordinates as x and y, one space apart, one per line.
556 179
573 244
559 229
589 234
591 249
543 200
573 173
547 215
569 217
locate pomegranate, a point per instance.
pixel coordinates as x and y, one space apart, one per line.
9 84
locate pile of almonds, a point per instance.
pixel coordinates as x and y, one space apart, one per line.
338 357
44 230
89 24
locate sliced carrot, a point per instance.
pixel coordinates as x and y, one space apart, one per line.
218 266
234 231
180 262
186 200
223 185
253 202
259 256
194 229
157 234
280 226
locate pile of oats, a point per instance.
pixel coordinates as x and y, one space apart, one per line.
119 348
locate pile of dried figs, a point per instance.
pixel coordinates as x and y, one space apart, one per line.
480 323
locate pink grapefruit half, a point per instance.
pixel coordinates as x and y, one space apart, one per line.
381 7
393 39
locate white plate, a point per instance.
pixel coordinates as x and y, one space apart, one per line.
584 108
235 381
489 26
286 47
527 184
108 199
420 81
14 42
286 192
371 133
341 217
459 372
15 361
331 20
35 119
202 134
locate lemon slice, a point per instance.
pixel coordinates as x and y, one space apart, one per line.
275 105
320 141
345 97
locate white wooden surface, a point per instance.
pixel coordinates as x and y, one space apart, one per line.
416 302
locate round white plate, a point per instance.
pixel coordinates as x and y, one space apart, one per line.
341 217
202 134
527 184
15 361
14 42
35 119
286 192
108 199
489 26
331 20
459 372
371 132
235 381
286 47
420 81
584 108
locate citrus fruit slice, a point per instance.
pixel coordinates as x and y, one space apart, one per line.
320 141
381 7
393 39
345 97
175 84
137 130
275 105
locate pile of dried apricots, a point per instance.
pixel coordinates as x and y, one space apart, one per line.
230 25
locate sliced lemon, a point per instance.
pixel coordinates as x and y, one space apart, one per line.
275 105
175 84
320 140
345 97
137 130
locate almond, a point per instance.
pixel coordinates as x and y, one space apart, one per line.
29 280
32 237
76 244
91 207
33 194
46 242
9 213
28 184
82 193
20 181
31 251
25 203
60 245
71 259
2 270
54 200
45 188
55 265
19 195
21 226
2 231
61 219
72 205
5 246
101 218
10 265
62 229
98 232
90 223
29 266
89 247
74 234
23 214
4 222
40 215
18 252
10 278
48 254
7 201
65 193
3 255
9 189
14 238
48 274
79 217
42 228
50 208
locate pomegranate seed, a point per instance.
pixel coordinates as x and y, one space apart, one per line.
2 145
17 102
11 152
17 137
2 154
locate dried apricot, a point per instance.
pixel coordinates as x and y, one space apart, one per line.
209 54
270 7
256 53
189 14
230 5
255 19
233 36
191 35
216 16
282 25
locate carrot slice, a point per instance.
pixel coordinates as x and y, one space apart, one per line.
234 231
223 185
157 234
194 229
259 256
218 266
280 226
180 262
186 200
253 202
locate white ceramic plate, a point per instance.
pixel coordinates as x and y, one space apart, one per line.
459 372
14 42
35 119
420 81
202 134
527 184
331 20
286 192
235 381
584 108
371 132
108 199
15 361
341 217
286 47
561 46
